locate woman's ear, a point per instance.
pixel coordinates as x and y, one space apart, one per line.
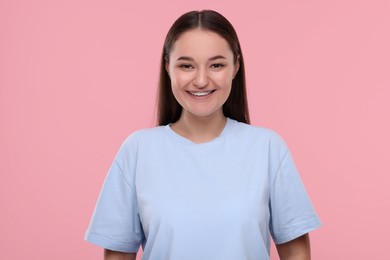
167 64
167 67
236 66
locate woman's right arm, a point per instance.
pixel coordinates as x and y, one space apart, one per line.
113 255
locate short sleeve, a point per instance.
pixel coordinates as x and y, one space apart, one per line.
115 223
292 214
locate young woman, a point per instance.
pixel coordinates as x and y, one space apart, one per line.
204 184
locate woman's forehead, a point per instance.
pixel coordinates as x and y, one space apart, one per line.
199 43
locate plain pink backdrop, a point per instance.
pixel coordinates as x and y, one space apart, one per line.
76 77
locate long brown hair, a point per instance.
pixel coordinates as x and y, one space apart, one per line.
236 106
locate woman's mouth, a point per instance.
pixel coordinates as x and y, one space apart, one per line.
200 93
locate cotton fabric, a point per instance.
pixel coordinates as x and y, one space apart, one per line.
222 199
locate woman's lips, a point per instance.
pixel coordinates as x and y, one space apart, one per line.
201 93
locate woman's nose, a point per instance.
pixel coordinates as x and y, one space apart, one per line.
201 79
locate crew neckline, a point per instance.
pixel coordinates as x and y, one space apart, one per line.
182 139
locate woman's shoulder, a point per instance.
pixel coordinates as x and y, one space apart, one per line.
132 141
145 134
255 132
261 139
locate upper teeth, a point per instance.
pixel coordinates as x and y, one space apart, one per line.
200 93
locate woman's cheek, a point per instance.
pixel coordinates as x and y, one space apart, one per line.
224 79
183 78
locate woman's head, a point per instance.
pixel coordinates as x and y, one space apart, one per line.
169 109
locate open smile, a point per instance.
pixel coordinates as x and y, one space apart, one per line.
200 93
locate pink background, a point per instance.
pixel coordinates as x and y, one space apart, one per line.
76 77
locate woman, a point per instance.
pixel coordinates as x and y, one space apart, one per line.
204 184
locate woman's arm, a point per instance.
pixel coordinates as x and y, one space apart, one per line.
297 249
113 255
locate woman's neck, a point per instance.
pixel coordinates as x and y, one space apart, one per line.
200 129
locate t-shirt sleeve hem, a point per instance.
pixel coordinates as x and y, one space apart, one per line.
281 238
125 247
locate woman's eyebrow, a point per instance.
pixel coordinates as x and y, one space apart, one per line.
191 59
185 58
217 57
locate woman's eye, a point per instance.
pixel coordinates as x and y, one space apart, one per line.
217 66
185 66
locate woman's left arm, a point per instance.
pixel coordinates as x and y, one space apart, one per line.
297 249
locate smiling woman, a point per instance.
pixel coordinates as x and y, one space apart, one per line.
204 184
208 23
201 67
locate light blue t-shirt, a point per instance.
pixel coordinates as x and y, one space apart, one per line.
218 200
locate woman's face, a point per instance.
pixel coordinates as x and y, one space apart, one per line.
201 67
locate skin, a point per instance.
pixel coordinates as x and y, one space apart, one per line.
112 255
297 249
202 61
